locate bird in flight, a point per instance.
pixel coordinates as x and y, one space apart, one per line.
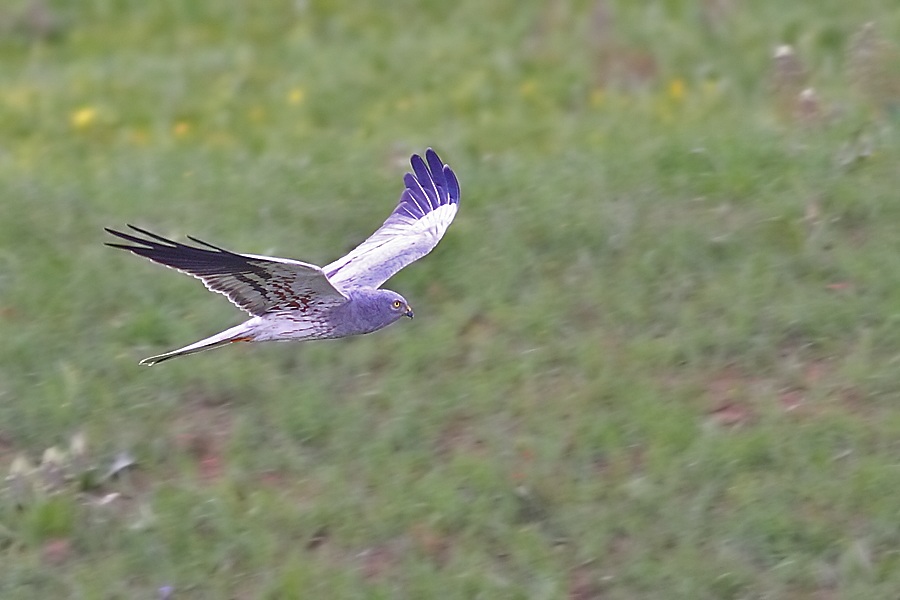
292 300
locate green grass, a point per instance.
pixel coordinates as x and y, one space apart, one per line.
654 357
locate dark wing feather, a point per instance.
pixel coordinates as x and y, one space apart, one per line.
256 284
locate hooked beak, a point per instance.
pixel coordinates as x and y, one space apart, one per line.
409 312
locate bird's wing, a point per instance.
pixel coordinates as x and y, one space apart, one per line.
425 211
256 284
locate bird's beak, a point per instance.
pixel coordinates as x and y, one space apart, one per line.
409 312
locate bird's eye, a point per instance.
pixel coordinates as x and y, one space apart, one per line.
397 304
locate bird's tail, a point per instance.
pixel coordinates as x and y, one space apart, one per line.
238 333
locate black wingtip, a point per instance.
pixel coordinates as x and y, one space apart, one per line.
208 245
114 232
143 244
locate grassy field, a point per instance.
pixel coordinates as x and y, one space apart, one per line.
656 355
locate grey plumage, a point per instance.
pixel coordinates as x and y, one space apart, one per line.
293 300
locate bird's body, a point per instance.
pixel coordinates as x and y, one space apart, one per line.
293 300
362 313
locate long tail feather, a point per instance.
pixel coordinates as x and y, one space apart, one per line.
239 333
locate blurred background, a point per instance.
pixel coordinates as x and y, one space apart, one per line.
654 357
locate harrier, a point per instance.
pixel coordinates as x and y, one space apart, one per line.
292 300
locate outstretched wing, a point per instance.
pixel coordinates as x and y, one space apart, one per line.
425 211
256 284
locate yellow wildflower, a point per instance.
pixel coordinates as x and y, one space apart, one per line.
83 117
676 89
296 96
181 128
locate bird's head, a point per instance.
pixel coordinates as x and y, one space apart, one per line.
373 309
379 308
395 305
